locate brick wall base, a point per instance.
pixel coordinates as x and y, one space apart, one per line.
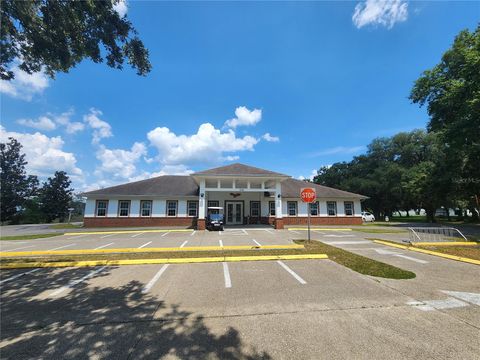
279 223
187 222
201 224
323 220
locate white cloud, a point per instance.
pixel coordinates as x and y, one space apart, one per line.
313 173
24 86
71 127
119 163
270 138
121 7
44 154
380 12
43 123
244 117
208 145
338 150
101 129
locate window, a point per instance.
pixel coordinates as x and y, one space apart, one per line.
102 207
255 208
213 203
349 208
292 208
146 208
314 207
171 208
192 208
123 207
331 208
271 208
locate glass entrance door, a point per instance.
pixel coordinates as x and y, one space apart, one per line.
234 213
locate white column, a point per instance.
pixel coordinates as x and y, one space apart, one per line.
278 199
201 200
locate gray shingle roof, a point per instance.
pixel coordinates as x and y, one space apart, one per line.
178 185
168 185
238 169
292 187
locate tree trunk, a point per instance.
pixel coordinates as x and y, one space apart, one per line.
430 214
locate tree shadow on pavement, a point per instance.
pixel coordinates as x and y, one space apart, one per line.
107 322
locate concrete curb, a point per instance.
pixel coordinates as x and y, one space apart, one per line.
126 232
312 228
148 250
453 243
429 252
160 261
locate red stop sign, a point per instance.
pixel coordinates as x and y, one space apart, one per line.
308 195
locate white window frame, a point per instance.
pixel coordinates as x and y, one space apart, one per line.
270 208
120 202
149 210
317 205
190 202
334 208
352 208
167 208
258 208
288 207
97 208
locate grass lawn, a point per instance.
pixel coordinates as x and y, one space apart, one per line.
353 261
358 263
470 252
65 226
29 237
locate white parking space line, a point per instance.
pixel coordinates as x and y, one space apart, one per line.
245 231
165 234
220 242
146 244
103 246
61 247
193 232
269 231
20 248
104 236
18 275
256 242
184 243
73 283
296 232
138 234
293 273
412 259
338 236
226 275
155 279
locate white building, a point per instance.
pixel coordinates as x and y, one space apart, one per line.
249 195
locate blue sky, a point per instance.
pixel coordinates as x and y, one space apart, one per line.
287 86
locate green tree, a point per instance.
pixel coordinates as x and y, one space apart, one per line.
451 91
15 186
54 35
56 196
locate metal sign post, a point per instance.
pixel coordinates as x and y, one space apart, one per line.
308 196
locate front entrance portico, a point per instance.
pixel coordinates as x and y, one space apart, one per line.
246 198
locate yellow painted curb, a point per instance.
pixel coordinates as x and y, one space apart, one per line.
159 261
147 250
301 229
453 243
429 252
126 232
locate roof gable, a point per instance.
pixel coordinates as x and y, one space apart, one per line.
238 169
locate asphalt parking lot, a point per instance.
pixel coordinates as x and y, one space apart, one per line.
307 309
